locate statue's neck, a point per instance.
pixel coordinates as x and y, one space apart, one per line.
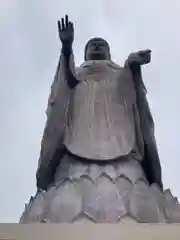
97 57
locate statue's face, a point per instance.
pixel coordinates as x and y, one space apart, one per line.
97 49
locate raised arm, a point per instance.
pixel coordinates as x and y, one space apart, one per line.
66 35
65 72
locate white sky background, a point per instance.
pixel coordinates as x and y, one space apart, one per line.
29 51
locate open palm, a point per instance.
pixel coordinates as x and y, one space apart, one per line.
66 31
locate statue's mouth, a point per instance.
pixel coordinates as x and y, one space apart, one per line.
97 50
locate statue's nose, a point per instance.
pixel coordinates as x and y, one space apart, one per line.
97 47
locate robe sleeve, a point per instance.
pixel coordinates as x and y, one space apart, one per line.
54 131
151 162
59 81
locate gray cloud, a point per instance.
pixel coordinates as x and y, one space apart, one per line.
29 51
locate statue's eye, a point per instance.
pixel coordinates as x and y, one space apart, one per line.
101 44
93 44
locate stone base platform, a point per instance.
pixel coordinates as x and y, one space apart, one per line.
126 231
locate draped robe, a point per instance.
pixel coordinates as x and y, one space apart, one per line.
58 136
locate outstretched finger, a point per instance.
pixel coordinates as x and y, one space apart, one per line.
148 50
66 20
62 23
59 25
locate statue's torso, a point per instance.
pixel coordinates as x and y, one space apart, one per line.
100 115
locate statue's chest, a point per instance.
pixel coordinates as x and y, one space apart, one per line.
97 93
100 117
105 87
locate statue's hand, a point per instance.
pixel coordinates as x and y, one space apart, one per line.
140 58
66 34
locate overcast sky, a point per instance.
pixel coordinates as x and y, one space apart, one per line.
29 51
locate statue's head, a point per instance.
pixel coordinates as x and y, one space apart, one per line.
97 49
